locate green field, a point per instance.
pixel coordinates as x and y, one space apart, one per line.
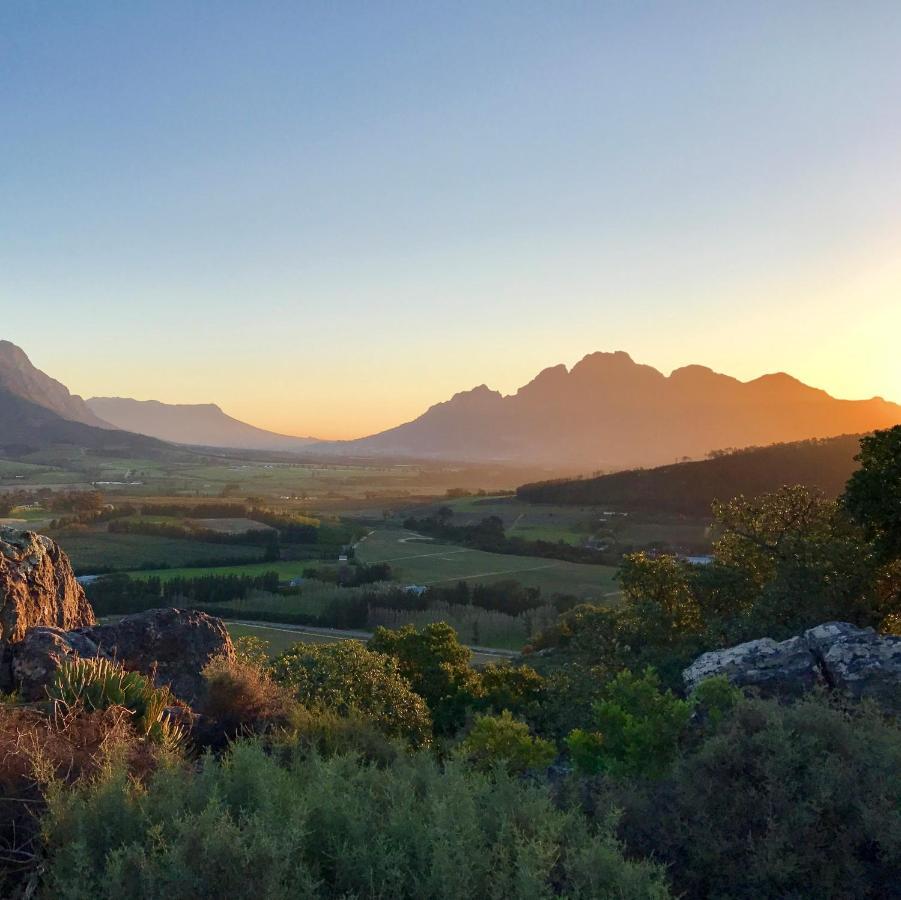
280 639
433 563
101 550
574 524
286 569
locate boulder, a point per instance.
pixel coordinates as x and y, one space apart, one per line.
34 660
37 586
837 655
172 644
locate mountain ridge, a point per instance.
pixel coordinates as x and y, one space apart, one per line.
21 378
194 424
609 411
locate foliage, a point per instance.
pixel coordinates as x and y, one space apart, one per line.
328 734
98 684
240 697
519 689
785 562
715 698
437 666
345 677
873 493
39 747
252 650
248 827
503 740
637 728
802 561
799 800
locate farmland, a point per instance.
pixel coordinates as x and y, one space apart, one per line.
94 551
431 563
575 524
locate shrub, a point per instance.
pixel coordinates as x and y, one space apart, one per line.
517 688
37 748
714 698
437 666
253 650
345 677
782 801
504 740
637 728
98 684
328 734
248 827
240 697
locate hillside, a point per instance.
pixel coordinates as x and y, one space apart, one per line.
27 427
201 424
22 379
611 412
689 488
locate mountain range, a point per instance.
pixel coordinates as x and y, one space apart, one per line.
20 378
38 413
199 424
606 412
609 412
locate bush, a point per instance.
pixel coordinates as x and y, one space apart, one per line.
37 748
782 801
328 734
637 728
250 828
345 677
437 666
519 689
240 697
503 740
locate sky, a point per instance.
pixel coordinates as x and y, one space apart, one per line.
327 216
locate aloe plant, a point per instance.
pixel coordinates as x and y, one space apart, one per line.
97 684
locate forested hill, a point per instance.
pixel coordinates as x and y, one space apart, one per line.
690 487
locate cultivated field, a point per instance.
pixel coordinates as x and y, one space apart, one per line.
424 562
102 551
575 524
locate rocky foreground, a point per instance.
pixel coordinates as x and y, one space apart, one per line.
836 656
45 618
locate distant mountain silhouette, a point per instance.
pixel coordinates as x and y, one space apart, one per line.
690 488
610 412
202 424
20 378
27 427
38 413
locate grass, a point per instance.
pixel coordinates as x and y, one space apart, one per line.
101 550
432 563
286 569
573 524
280 639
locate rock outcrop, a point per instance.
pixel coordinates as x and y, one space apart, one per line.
37 586
33 661
173 644
836 655
45 618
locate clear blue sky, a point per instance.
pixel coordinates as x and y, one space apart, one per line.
326 216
